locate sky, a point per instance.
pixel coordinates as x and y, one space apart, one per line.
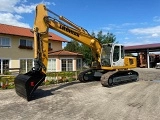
133 22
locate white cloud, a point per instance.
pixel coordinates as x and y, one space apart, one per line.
25 8
48 3
114 26
142 42
53 3
129 24
8 5
18 6
126 38
119 32
131 43
11 11
155 35
107 28
24 1
156 19
144 31
10 19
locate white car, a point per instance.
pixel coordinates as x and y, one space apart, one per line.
157 66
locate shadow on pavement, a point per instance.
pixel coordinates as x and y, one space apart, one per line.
40 93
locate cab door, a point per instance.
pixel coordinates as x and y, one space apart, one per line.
118 55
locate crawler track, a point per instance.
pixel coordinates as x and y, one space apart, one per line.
91 75
84 77
117 77
108 78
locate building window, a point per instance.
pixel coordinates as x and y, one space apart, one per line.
26 65
5 42
4 65
51 67
26 44
67 64
79 64
49 46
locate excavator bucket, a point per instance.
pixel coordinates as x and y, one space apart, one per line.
26 84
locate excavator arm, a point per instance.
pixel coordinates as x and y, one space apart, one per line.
79 35
40 30
68 28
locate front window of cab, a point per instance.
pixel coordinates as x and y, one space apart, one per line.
105 55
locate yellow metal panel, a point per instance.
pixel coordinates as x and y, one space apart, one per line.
41 27
130 62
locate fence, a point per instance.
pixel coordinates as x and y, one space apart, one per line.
7 81
59 77
11 71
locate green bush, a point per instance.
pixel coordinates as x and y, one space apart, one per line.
7 82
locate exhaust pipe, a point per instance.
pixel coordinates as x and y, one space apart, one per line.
26 84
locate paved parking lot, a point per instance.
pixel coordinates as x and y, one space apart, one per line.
86 101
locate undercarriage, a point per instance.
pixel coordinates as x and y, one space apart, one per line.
108 78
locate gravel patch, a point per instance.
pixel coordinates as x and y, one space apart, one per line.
87 101
148 74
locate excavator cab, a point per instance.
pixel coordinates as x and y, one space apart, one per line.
26 84
112 55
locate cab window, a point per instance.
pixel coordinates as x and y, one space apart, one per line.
116 54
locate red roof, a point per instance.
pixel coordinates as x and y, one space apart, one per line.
145 46
26 32
137 48
63 53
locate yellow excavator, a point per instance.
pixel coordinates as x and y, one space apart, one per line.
111 66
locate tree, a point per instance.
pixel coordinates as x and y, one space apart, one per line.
73 46
105 38
87 56
102 38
